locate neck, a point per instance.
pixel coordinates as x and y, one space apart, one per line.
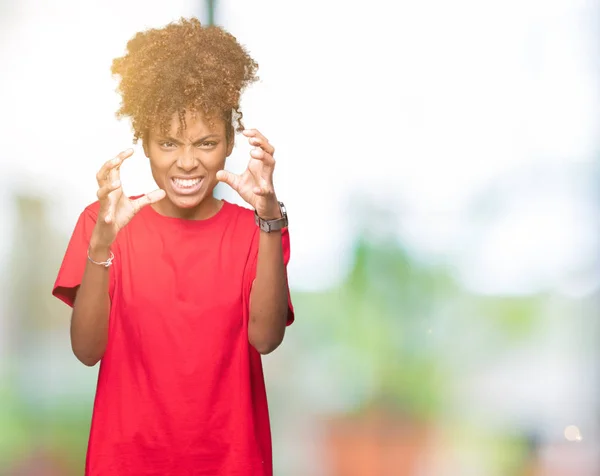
207 208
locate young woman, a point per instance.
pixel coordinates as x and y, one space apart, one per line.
175 292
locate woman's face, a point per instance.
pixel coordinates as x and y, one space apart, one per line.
185 165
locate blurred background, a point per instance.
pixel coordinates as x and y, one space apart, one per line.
440 164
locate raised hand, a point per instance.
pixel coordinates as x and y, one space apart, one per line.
255 184
116 209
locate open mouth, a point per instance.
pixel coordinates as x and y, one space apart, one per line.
186 186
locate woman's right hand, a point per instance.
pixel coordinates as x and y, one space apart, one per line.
116 209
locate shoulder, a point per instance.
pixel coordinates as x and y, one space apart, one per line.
240 224
92 210
240 217
240 212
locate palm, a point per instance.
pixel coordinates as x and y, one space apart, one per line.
116 209
255 184
122 207
254 176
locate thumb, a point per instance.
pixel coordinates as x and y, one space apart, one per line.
228 178
152 197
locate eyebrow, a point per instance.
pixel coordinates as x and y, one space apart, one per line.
177 141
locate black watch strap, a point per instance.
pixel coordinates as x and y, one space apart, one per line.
272 225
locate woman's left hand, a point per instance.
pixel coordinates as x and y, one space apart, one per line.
255 185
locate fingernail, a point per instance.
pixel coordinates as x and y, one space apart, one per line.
116 160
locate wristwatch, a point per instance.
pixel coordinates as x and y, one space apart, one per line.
272 225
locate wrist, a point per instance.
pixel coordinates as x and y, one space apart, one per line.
99 247
100 238
93 257
276 221
271 210
99 252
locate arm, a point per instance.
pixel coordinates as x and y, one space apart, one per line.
85 285
89 321
269 295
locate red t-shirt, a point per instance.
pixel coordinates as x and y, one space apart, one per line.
180 389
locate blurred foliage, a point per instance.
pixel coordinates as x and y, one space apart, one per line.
380 319
393 321
54 437
14 436
389 305
516 316
44 427
504 453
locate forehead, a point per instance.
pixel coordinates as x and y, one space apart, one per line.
197 124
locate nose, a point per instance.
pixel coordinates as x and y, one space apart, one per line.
186 161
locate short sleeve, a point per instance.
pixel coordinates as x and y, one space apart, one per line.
251 275
75 259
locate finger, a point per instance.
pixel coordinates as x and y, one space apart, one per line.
262 155
104 174
229 178
110 211
106 189
250 132
107 205
262 191
113 163
263 144
115 172
264 188
149 198
257 139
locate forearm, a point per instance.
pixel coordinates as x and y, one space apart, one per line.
89 322
269 296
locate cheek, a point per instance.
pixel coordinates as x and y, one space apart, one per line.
159 167
215 161
158 177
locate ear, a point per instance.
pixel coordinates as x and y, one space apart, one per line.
145 147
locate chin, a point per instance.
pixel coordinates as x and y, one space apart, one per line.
187 202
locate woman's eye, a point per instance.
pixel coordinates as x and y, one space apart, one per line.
208 144
167 145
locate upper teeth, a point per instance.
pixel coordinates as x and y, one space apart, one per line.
186 182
